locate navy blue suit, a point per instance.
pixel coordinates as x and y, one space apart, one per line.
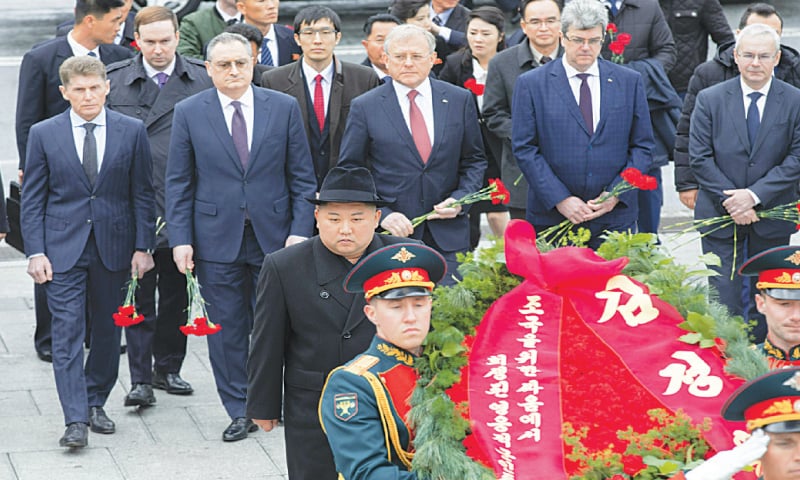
721 159
376 136
233 217
560 159
89 233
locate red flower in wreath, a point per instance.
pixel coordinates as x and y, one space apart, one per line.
473 86
633 464
618 477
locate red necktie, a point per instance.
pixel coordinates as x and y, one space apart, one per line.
319 102
419 131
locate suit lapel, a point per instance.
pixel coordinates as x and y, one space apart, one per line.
335 104
261 116
441 109
768 118
735 108
395 116
113 134
67 145
297 89
216 120
608 94
561 85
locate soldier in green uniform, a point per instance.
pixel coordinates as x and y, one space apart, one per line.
778 299
364 403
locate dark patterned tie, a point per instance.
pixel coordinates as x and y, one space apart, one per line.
437 20
753 120
90 153
266 55
544 59
585 102
239 134
162 79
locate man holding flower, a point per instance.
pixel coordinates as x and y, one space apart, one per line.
744 150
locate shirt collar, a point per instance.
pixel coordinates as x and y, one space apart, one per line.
77 121
246 99
225 17
593 70
444 16
78 49
152 72
747 90
537 55
311 74
423 88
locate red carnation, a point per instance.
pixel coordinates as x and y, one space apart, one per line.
126 310
618 477
616 47
633 464
473 86
135 46
200 327
501 195
624 38
611 28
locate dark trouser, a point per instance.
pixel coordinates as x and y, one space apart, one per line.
82 386
650 202
450 258
159 335
517 213
731 290
42 339
229 290
305 438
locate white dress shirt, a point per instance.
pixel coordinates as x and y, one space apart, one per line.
424 101
760 103
480 77
152 72
78 49
594 87
327 81
248 110
79 134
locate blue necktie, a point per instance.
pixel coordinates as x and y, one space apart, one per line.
437 20
266 55
753 120
92 54
613 7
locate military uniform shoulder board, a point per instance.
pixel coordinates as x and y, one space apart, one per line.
362 364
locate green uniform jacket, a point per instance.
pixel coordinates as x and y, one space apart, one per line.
197 29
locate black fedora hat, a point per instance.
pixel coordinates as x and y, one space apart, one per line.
348 185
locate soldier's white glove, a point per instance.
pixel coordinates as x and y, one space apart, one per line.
725 464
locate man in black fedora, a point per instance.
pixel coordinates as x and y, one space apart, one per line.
306 324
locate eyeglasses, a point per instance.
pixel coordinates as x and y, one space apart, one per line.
310 33
241 64
593 42
537 23
751 57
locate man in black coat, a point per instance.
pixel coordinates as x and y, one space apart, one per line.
306 324
691 22
147 87
712 72
375 30
38 98
124 38
320 77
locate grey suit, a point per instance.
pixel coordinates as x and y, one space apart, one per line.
722 159
504 69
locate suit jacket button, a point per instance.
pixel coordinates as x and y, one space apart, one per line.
92 197
89 220
752 164
324 294
347 335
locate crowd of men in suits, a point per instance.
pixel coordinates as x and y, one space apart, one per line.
227 124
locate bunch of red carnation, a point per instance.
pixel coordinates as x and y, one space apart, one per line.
618 43
126 313
197 322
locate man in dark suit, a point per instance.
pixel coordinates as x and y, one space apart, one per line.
422 141
449 21
278 45
88 223
147 87
306 324
375 30
541 21
253 35
746 162
322 85
124 38
38 98
238 174
578 123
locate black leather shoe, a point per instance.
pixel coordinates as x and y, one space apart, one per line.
141 395
76 436
45 355
99 421
172 383
238 429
